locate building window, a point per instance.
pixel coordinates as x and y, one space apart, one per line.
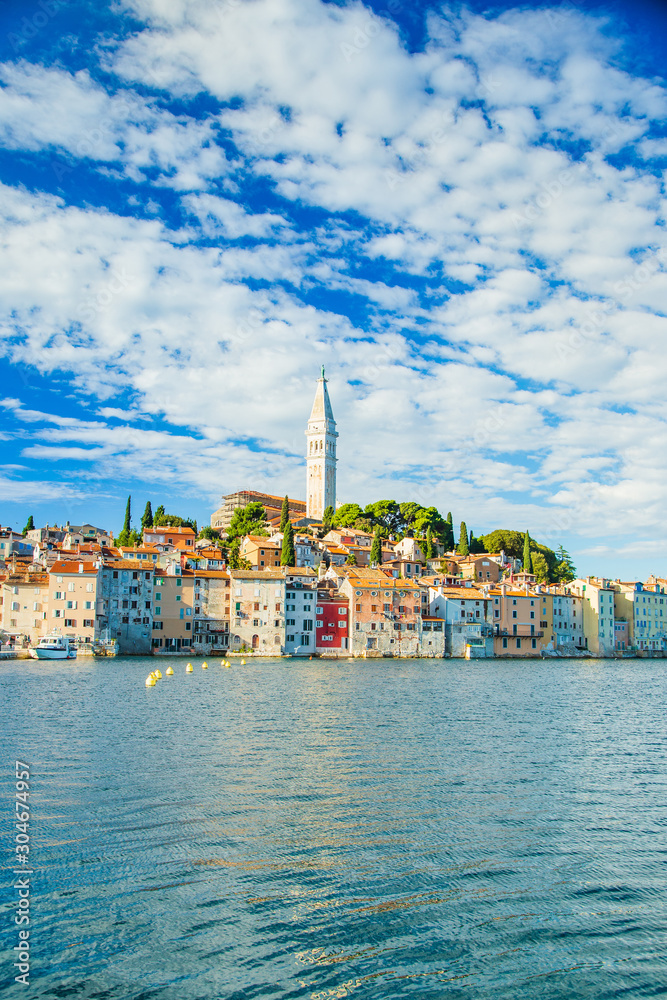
518 644
505 643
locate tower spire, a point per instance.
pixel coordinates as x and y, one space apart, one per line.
321 453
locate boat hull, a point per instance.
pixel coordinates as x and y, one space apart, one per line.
53 654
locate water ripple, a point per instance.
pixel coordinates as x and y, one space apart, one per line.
305 830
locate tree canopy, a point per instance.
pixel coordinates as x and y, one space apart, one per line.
347 515
560 567
376 548
249 520
30 526
463 548
284 514
147 517
287 555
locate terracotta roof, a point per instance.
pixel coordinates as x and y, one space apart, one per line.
72 566
464 593
274 573
165 529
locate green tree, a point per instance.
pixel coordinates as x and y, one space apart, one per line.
30 526
476 544
236 560
351 559
158 517
386 513
124 536
409 511
429 543
447 535
327 517
347 515
540 568
208 532
284 516
463 548
249 520
565 570
147 518
376 548
509 542
429 517
527 561
287 555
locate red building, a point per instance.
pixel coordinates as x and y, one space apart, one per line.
331 624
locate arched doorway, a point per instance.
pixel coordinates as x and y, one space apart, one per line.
255 641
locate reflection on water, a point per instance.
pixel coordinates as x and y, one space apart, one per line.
308 829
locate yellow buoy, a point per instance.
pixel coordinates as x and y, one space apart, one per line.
158 675
243 663
170 671
188 669
204 665
226 664
150 681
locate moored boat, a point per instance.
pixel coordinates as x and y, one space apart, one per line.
54 647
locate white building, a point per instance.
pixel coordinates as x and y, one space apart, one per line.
568 620
300 602
320 454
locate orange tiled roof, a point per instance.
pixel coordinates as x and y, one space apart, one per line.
72 566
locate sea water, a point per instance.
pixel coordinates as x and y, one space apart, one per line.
382 828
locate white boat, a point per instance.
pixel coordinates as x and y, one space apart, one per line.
54 647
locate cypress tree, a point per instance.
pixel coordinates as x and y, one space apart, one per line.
376 547
463 548
287 556
128 509
429 543
284 517
147 519
30 526
527 561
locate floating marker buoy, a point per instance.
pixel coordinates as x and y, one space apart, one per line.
158 675
226 665
243 663
188 669
150 681
204 666
170 671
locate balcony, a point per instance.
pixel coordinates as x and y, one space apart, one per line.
522 632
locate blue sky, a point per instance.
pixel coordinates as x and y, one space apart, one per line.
458 209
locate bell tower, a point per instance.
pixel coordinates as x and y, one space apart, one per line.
320 454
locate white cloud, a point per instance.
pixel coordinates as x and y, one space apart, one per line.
507 293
